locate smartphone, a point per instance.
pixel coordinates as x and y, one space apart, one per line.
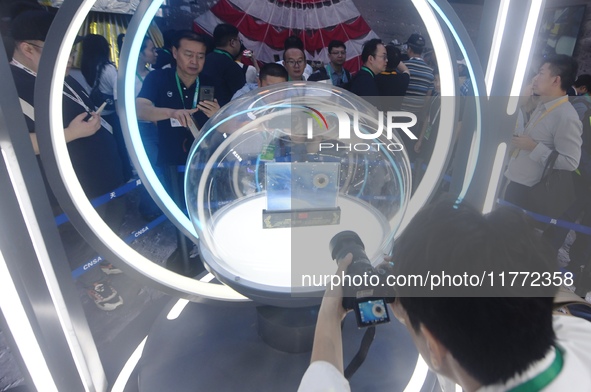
206 93
98 111
371 311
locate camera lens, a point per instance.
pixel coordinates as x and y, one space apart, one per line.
378 310
347 242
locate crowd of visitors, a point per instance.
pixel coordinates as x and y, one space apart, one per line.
183 84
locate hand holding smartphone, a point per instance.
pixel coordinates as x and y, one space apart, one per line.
206 93
98 111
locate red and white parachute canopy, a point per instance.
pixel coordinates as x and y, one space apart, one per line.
265 24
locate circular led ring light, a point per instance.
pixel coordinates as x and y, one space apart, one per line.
77 206
63 179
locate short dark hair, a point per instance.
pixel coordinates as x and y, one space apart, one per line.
583 80
31 26
446 234
335 44
301 50
370 48
394 55
293 41
273 69
564 66
223 34
189 36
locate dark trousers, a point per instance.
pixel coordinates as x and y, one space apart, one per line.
517 194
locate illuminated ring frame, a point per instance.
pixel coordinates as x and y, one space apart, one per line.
81 213
67 189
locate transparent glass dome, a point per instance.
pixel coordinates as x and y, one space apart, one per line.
278 172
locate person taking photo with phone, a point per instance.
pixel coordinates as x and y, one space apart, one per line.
170 97
92 149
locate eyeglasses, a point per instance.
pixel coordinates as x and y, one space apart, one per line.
293 63
35 45
339 53
383 57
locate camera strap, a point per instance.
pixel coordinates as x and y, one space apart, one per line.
359 358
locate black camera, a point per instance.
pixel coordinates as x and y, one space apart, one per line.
365 288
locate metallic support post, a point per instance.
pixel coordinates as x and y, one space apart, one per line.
36 264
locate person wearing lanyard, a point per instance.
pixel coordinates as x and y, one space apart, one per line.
375 60
170 98
509 341
92 149
220 67
553 125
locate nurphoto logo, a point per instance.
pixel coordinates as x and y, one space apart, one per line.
347 121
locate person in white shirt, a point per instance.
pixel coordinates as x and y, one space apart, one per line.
553 126
507 341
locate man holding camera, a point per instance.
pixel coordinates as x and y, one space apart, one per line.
506 342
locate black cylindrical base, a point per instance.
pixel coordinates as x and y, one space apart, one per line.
287 330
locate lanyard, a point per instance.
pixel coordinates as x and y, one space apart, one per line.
543 379
17 64
178 84
557 104
364 68
224 53
76 98
529 127
73 96
139 77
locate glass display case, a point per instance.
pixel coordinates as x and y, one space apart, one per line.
277 173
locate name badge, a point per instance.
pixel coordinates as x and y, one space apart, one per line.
175 123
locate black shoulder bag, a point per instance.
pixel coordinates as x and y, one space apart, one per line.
554 193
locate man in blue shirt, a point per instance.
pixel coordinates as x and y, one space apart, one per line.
170 97
334 70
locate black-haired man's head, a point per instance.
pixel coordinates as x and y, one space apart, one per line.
583 84
294 60
293 41
373 55
225 36
451 237
29 30
555 76
272 73
337 52
189 51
